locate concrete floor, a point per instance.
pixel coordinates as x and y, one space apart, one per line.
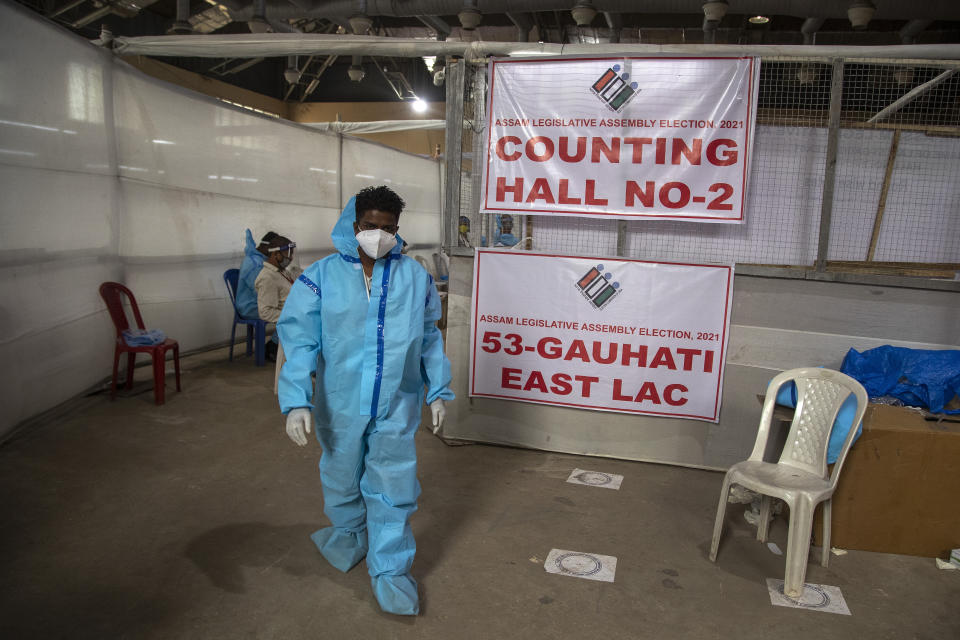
191 520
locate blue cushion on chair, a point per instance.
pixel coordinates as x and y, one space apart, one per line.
143 337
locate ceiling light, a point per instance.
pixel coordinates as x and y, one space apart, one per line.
356 72
583 14
180 28
419 105
859 13
291 75
758 20
360 24
258 24
430 61
470 18
714 11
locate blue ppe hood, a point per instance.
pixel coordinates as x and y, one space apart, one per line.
249 244
345 240
246 280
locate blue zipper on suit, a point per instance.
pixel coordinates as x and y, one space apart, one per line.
381 314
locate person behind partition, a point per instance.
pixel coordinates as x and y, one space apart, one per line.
253 258
364 320
505 237
464 229
273 284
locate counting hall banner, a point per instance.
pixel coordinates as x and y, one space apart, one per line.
600 333
640 138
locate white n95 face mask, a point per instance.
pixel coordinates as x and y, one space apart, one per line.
376 243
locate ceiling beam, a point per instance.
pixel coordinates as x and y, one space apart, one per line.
70 5
523 22
437 24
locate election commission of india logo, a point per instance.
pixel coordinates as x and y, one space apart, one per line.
579 564
614 89
596 286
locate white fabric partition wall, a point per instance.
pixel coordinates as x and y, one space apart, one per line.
194 174
416 179
58 215
107 174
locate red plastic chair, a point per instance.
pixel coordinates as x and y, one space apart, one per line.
112 294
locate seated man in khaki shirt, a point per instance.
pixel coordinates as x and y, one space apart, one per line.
273 283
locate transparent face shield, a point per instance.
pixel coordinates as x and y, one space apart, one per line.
290 260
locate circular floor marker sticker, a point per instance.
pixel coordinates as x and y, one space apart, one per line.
813 597
579 564
594 477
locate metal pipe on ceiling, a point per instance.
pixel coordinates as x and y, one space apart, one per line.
90 17
257 20
381 126
523 22
283 44
809 29
615 23
709 31
66 7
181 24
889 10
910 31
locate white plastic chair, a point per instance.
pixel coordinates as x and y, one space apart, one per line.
800 477
423 263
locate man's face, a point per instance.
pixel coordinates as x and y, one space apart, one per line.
279 258
373 219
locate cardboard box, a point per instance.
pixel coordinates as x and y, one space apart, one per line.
899 485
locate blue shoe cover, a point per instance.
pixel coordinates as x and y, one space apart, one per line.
396 594
342 548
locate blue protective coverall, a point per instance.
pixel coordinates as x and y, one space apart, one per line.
249 270
372 359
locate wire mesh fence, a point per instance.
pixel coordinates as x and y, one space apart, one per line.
900 148
896 197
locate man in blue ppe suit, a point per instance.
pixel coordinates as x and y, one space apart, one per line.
364 319
253 257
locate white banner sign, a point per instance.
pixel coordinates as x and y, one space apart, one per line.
598 333
651 138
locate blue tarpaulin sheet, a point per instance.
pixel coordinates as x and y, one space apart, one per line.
918 377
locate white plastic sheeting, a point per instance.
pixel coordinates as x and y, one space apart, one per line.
109 175
58 231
